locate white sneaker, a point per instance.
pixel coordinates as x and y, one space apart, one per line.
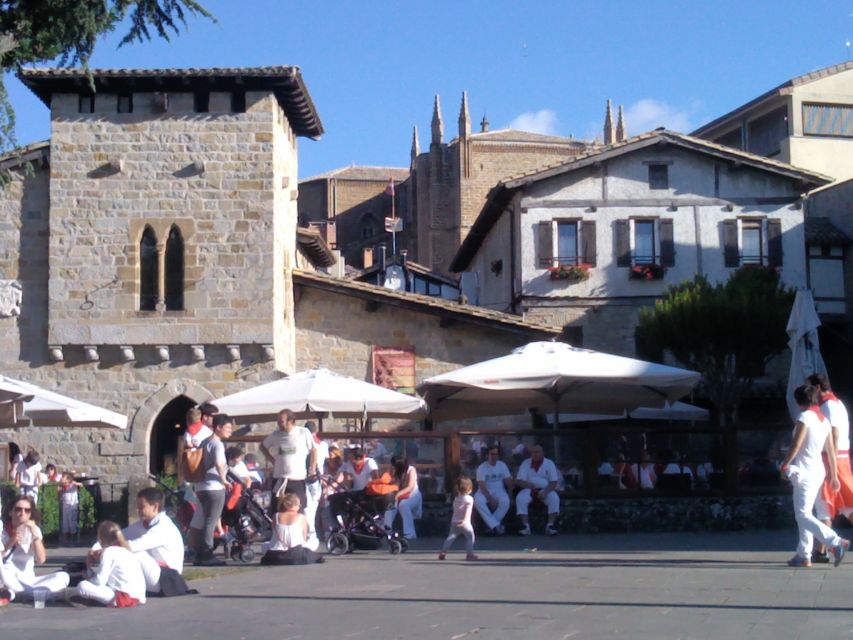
551 530
525 530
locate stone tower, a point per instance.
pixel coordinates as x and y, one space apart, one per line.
609 137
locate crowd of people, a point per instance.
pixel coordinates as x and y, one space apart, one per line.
314 482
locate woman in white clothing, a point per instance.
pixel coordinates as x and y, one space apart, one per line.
21 548
290 535
408 501
118 581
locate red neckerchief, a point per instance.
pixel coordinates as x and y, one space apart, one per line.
194 428
317 439
358 466
535 465
816 410
829 395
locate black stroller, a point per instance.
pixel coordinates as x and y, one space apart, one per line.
358 523
248 522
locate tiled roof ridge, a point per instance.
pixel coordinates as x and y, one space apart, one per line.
675 136
12 156
172 71
430 301
335 173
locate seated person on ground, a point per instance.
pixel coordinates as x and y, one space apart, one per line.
154 539
118 580
537 477
290 535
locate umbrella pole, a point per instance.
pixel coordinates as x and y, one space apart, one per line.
556 430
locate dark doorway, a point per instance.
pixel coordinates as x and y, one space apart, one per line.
168 425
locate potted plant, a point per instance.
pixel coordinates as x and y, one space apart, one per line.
650 271
570 272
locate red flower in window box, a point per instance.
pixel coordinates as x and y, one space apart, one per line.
647 272
570 272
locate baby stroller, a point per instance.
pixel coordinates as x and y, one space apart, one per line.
360 525
179 504
247 520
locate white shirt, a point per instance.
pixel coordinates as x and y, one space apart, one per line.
291 452
540 479
241 471
462 510
29 475
68 496
493 476
673 468
808 461
322 454
15 466
23 557
360 480
120 571
194 442
287 536
836 412
161 540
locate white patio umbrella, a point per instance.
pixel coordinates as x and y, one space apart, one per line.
674 411
12 397
45 408
553 377
804 345
320 391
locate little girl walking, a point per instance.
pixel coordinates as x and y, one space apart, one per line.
119 581
460 524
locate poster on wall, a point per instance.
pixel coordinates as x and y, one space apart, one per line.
394 368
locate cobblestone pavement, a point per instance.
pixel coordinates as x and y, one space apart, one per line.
689 585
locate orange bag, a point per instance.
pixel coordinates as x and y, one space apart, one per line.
382 486
194 465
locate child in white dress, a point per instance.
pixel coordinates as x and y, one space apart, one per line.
460 523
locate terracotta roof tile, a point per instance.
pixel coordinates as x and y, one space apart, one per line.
822 231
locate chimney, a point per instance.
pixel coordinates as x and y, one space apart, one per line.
383 250
367 257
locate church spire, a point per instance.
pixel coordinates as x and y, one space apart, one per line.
416 147
608 125
464 117
621 134
484 124
437 123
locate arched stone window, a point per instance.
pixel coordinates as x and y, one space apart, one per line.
174 270
368 226
149 271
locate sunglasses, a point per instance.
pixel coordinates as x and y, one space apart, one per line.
23 510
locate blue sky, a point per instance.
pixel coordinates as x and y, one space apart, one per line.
373 68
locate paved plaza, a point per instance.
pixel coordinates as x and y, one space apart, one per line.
684 585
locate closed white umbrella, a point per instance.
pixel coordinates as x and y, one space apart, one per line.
320 391
50 409
554 377
804 345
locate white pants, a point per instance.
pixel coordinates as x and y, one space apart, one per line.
492 519
410 508
805 492
19 583
313 492
150 569
96 592
524 498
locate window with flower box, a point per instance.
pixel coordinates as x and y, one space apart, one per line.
566 242
646 245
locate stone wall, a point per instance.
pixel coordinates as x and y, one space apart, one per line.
219 175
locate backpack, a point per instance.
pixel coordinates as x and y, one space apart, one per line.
193 461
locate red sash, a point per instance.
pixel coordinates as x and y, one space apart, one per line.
829 395
123 601
816 410
535 465
358 467
194 428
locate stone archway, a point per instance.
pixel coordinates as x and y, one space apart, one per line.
143 421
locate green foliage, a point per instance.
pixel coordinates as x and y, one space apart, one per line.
728 332
40 31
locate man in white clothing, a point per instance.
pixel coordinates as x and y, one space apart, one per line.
292 451
804 467
537 476
494 482
313 486
154 539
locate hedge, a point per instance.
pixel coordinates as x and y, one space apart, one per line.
49 506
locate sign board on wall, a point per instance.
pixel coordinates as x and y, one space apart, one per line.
394 368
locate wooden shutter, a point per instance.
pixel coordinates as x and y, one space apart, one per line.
545 242
667 244
730 248
622 240
588 242
774 243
